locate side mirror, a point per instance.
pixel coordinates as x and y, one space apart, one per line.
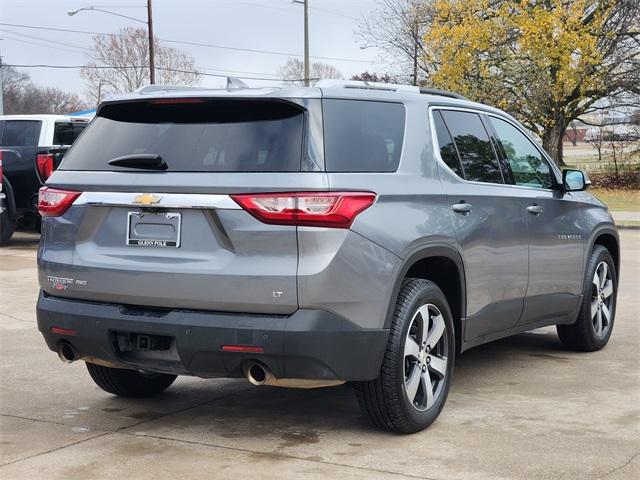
575 180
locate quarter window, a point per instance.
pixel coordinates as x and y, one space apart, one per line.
448 150
527 163
477 156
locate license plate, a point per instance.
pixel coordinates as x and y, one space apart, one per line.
154 229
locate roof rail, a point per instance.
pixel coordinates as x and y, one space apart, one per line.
442 93
388 87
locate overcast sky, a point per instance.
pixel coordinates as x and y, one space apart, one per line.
273 25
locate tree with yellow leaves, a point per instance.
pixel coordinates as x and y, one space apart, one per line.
545 61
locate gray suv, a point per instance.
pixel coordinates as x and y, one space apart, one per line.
306 237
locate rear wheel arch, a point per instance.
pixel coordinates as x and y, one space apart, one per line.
443 266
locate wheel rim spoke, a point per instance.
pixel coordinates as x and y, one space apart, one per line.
598 323
603 274
427 388
411 349
438 365
435 334
606 314
594 308
607 290
424 324
413 383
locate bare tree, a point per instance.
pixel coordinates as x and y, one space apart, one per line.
375 77
293 71
22 96
397 28
120 63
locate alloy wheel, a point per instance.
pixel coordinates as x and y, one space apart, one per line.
426 351
602 300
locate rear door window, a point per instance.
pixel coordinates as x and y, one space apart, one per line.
362 136
195 135
21 133
65 133
477 155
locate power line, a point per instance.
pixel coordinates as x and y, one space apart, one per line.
181 42
129 67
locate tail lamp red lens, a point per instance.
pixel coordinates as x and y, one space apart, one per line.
312 209
53 202
44 163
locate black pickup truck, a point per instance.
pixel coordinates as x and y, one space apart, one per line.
31 147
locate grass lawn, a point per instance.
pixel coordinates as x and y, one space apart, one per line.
618 200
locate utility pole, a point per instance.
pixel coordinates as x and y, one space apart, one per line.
152 67
306 43
1 85
306 39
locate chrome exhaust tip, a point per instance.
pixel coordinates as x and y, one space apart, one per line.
67 353
257 373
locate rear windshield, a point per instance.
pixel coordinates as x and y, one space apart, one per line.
362 136
201 136
65 133
21 133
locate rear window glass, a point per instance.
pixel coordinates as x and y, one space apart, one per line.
65 133
362 136
21 133
203 136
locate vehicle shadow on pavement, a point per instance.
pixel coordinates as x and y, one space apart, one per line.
294 416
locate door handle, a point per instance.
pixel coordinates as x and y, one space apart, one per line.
462 207
535 209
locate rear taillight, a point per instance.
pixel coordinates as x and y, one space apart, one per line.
313 209
44 163
53 202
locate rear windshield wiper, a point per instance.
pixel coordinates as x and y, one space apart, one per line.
146 161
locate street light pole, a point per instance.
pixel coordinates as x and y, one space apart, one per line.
148 22
152 67
306 39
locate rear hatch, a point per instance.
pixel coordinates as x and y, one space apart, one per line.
154 224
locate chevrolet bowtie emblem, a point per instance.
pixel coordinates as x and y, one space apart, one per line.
147 199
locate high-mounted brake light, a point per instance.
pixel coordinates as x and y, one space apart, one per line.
53 202
312 209
44 163
173 101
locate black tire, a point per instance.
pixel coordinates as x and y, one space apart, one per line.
581 335
385 400
7 227
129 383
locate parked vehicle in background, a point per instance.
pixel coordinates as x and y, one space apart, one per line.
32 147
305 237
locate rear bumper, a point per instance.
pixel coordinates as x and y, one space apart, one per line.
310 344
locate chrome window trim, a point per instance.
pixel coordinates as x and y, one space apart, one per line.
436 147
167 200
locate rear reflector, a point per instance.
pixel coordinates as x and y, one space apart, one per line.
312 209
44 163
242 348
53 202
63 331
